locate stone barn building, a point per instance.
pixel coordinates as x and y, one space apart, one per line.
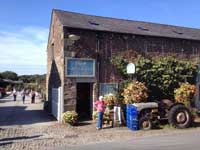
81 46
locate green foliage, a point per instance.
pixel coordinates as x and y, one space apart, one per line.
123 84
161 75
9 75
32 78
120 64
70 117
35 82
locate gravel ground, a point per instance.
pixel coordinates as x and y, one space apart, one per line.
27 127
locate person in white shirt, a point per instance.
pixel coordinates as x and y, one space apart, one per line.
14 94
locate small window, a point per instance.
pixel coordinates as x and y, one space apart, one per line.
52 51
142 28
177 32
108 88
93 23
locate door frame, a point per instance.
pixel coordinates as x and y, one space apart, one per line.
91 96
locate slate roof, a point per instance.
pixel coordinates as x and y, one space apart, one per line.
83 21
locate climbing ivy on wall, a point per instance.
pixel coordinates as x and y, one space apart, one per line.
161 75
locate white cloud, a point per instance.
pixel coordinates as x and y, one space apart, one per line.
25 46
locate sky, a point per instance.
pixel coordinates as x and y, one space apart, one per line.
24 24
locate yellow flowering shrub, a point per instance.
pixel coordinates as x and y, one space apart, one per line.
135 92
106 116
185 93
70 117
110 99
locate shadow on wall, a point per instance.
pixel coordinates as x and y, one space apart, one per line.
54 81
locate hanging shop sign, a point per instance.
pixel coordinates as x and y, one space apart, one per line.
80 67
130 68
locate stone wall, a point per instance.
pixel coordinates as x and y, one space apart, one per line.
55 58
102 46
70 94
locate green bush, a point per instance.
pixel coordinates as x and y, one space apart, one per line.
70 117
161 75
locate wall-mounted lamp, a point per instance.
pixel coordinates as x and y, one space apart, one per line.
71 39
74 37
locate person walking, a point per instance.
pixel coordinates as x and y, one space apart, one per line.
32 96
100 107
23 94
14 94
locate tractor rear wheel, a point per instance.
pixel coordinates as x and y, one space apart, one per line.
179 116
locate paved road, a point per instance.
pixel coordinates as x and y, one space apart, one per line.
183 141
18 114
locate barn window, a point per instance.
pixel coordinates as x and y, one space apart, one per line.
177 32
93 23
142 28
108 88
52 51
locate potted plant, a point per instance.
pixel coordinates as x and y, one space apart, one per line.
135 92
110 100
185 94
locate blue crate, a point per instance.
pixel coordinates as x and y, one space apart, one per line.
132 117
133 127
131 109
133 123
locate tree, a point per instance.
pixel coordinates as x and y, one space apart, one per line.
9 75
32 78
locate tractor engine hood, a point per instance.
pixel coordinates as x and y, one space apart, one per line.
141 106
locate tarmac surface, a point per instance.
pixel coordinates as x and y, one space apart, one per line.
15 113
180 141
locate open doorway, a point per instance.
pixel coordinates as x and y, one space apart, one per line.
84 101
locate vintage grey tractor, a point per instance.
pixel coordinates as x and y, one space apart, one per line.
152 113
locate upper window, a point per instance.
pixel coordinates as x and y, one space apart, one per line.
177 32
142 28
80 67
93 23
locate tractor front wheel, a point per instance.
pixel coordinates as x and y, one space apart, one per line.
145 123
